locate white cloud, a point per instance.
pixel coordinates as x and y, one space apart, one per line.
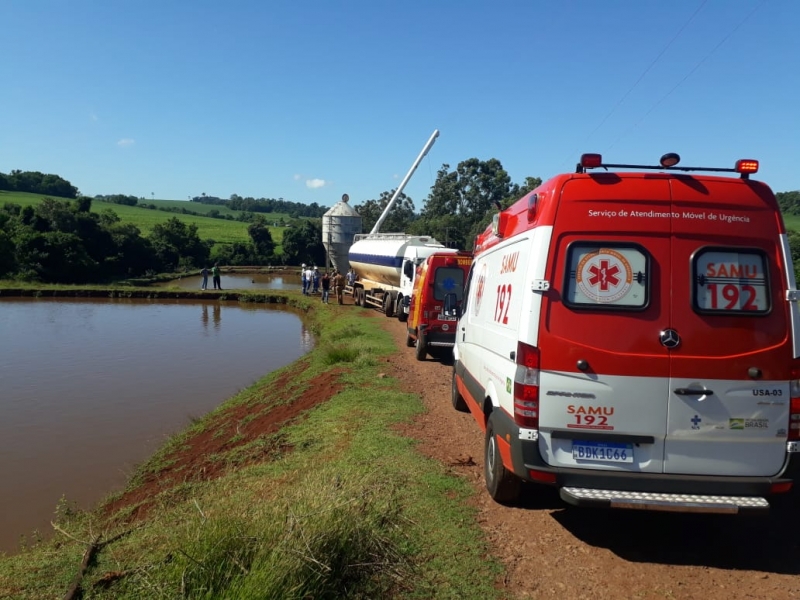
93 117
298 177
395 176
124 142
315 183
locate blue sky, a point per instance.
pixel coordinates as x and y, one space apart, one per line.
307 100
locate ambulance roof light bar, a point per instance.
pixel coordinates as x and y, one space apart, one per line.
668 162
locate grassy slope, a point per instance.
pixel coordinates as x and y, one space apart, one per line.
349 490
219 230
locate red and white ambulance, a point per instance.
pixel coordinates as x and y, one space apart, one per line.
630 336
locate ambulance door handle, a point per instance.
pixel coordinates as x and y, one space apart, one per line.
691 392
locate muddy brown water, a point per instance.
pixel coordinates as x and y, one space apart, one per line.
241 281
89 389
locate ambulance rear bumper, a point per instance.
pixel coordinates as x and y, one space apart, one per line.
654 501
440 339
658 491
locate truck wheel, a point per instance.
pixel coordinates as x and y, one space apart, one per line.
401 316
502 485
455 396
362 298
388 305
421 346
409 340
398 309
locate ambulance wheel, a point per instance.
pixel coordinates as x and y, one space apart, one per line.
455 396
409 340
388 306
503 486
421 346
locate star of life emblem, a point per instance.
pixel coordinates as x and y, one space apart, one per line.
604 276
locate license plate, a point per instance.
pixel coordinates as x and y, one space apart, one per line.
602 452
444 317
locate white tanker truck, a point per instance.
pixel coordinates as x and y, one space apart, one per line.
386 264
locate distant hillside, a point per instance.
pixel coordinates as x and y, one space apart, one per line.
264 205
220 230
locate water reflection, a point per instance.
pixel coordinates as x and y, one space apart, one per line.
89 388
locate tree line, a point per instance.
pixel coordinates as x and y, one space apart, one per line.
265 205
62 241
37 183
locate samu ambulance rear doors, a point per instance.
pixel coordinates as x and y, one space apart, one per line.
604 380
730 367
671 337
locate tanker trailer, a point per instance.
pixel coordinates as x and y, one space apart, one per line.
385 265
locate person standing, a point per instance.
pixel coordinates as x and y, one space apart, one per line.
215 276
204 273
338 282
303 278
309 280
326 287
316 280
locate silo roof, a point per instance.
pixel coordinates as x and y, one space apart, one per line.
342 209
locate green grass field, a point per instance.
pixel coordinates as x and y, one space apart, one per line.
220 230
792 222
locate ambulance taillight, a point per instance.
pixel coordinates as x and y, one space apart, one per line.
526 387
591 161
794 407
746 165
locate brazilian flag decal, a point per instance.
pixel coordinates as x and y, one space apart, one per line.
736 423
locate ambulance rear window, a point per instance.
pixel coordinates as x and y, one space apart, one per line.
607 276
448 280
731 281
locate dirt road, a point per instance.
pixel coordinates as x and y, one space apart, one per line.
553 551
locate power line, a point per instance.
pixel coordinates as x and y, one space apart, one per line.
689 74
642 76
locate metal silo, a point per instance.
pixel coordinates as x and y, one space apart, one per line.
339 225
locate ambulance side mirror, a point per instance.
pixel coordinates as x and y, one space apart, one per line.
451 308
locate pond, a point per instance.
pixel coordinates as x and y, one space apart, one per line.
289 280
88 389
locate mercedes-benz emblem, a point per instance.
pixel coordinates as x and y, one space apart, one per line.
670 338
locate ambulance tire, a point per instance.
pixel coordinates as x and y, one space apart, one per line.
421 346
388 305
503 486
409 340
455 396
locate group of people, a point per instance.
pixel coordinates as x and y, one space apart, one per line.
214 276
315 283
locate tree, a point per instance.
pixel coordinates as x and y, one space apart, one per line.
177 244
462 199
303 243
399 218
261 236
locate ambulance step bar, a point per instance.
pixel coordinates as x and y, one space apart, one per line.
664 502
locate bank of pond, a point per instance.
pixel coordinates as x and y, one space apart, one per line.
298 485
